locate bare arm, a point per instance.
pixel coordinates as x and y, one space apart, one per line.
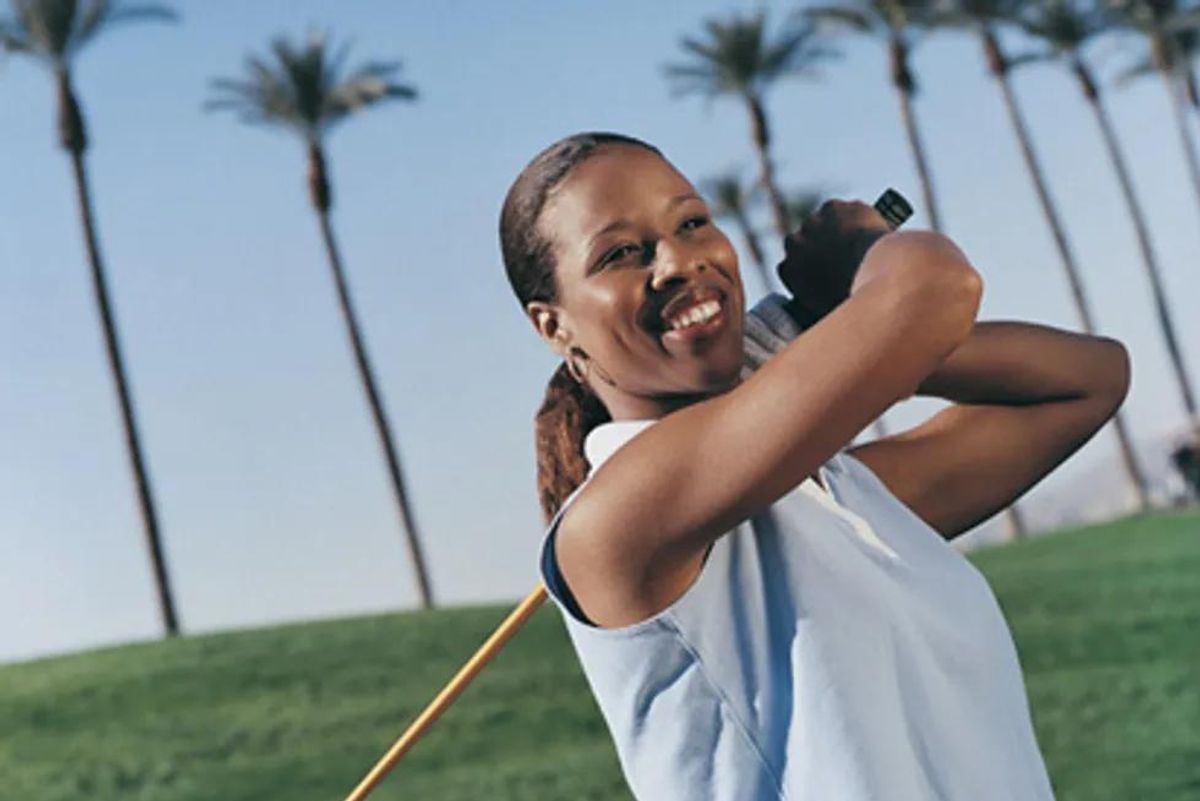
633 539
1026 397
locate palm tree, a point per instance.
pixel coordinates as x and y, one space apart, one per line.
802 204
738 58
1068 26
305 89
731 199
53 32
891 21
1164 23
982 18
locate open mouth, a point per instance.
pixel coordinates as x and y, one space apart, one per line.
693 313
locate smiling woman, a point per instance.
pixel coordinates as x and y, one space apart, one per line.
761 612
617 213
605 261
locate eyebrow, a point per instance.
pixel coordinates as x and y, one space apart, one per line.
623 223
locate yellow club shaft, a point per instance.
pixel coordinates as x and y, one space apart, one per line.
503 633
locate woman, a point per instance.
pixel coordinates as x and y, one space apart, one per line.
763 612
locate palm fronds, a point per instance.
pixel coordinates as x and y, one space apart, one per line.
53 31
739 57
877 17
1065 25
729 195
306 87
802 204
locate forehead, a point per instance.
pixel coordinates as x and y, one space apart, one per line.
618 183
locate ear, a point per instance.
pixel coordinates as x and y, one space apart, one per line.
548 320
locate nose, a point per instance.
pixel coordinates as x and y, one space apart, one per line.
673 263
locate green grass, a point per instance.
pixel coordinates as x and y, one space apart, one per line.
1107 620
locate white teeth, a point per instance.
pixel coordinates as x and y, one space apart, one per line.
699 313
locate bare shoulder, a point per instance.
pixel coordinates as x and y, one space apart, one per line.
615 585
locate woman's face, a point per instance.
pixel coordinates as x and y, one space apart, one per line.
648 285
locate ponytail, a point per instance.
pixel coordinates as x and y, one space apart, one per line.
568 412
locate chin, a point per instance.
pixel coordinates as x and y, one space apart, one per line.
720 375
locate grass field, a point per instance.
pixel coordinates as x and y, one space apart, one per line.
1107 620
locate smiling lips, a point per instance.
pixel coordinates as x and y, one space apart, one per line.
691 310
699 313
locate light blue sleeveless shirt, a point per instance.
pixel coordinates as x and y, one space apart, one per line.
833 648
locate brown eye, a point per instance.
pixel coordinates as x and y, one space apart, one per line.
620 253
692 223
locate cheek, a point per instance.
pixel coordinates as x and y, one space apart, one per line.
604 306
725 256
606 313
728 255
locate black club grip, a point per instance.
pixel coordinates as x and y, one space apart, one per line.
894 208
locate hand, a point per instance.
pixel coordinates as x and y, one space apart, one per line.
823 257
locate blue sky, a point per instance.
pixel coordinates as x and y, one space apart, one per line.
272 493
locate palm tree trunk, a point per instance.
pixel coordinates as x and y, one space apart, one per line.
73 138
1191 89
1178 103
761 134
1017 528
320 194
905 87
1163 58
998 64
1149 259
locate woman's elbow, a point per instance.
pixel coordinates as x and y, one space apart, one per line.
1112 372
968 294
937 281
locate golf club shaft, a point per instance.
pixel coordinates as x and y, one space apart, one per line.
446 697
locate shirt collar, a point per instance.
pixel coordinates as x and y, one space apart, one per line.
604 440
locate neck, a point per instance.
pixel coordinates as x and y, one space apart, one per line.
624 405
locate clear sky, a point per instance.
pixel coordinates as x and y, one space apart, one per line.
271 489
